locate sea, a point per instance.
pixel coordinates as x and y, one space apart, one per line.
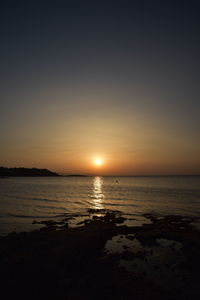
25 199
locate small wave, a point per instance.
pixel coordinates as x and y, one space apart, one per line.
51 208
102 210
28 217
97 196
46 200
62 215
78 202
121 204
37 199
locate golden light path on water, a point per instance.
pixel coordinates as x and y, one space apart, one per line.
98 195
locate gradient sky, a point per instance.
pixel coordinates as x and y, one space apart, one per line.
117 80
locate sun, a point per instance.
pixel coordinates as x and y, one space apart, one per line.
98 162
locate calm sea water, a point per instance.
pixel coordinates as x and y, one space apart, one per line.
25 199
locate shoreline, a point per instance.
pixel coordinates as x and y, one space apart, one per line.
103 258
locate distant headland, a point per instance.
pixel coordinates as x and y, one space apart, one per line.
17 172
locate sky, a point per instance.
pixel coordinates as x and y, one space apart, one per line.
114 80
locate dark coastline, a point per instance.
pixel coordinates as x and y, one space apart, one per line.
27 172
58 262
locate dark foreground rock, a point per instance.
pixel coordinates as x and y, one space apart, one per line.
58 262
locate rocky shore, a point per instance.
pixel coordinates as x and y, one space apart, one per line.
103 258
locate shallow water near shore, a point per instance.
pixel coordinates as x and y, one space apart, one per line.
25 199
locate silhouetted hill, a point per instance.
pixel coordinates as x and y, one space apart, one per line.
25 172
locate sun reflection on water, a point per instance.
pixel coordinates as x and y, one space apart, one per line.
98 195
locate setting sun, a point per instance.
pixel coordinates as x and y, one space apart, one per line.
98 162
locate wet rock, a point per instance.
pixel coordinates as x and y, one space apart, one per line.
125 247
72 264
130 237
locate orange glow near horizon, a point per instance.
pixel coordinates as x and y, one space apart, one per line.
119 144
